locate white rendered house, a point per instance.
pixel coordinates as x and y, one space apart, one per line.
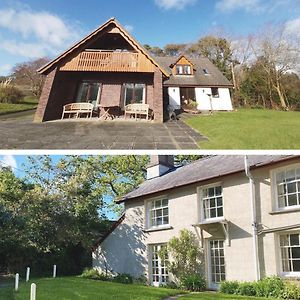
245 214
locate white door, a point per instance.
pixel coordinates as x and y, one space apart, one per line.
158 269
216 263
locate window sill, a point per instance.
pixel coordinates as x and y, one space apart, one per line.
284 211
291 275
162 228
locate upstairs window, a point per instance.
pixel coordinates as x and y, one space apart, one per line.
212 202
159 213
215 92
288 188
183 70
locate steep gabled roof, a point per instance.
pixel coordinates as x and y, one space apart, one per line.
202 170
45 69
214 78
179 58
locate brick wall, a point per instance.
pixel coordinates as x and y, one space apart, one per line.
158 96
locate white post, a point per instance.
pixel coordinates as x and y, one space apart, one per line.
27 274
54 271
33 292
17 282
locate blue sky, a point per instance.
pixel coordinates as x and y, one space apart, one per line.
32 28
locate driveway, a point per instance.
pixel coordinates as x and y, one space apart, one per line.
19 132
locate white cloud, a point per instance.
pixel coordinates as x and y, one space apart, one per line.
8 161
5 69
292 27
174 4
35 34
129 28
232 5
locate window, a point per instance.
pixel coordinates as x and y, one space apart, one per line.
290 253
159 213
134 93
212 201
288 188
215 92
159 271
217 262
183 70
89 92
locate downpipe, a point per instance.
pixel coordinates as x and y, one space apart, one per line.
254 219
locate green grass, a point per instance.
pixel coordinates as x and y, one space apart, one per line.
249 129
211 296
74 288
26 104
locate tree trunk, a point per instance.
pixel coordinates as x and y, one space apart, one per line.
281 97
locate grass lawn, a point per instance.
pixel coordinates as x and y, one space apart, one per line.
26 104
249 129
74 288
211 296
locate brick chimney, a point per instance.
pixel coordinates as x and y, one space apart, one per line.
159 165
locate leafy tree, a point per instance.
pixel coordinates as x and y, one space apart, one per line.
174 49
185 256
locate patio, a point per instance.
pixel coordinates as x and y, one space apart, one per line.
19 132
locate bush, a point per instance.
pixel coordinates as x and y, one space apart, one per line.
95 275
229 287
269 287
290 291
246 289
193 282
123 278
10 94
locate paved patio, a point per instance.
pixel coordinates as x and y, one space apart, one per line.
19 132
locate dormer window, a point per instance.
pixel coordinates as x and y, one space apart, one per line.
183 70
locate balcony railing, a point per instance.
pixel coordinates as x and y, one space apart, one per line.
109 62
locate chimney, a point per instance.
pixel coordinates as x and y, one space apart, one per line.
159 165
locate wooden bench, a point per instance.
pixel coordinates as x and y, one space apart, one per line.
78 109
139 110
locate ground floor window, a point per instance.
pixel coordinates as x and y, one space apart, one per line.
215 92
159 271
187 95
134 93
217 261
89 92
290 252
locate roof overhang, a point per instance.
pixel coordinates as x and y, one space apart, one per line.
51 65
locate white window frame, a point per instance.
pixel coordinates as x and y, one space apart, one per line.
200 197
274 192
148 205
283 273
160 267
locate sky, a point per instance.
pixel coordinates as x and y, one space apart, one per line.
30 29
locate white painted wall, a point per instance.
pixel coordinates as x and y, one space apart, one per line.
222 103
174 97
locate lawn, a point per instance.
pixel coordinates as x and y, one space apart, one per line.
249 129
75 288
26 104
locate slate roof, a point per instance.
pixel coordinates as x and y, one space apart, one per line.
215 78
201 170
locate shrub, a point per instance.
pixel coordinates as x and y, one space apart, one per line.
95 275
229 287
10 94
290 291
269 287
246 289
193 282
142 280
123 278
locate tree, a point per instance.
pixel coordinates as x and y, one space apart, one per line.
278 54
175 49
156 51
185 256
26 74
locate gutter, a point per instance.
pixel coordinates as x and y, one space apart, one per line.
254 219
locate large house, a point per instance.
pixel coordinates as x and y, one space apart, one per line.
109 68
244 212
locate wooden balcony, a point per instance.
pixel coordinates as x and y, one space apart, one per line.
109 62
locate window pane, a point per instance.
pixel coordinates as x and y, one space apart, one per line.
220 212
165 202
280 177
218 191
129 93
211 192
296 252
291 187
219 201
294 238
280 189
282 201
290 175
213 213
298 173
292 200
284 240
296 265
212 203
139 93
